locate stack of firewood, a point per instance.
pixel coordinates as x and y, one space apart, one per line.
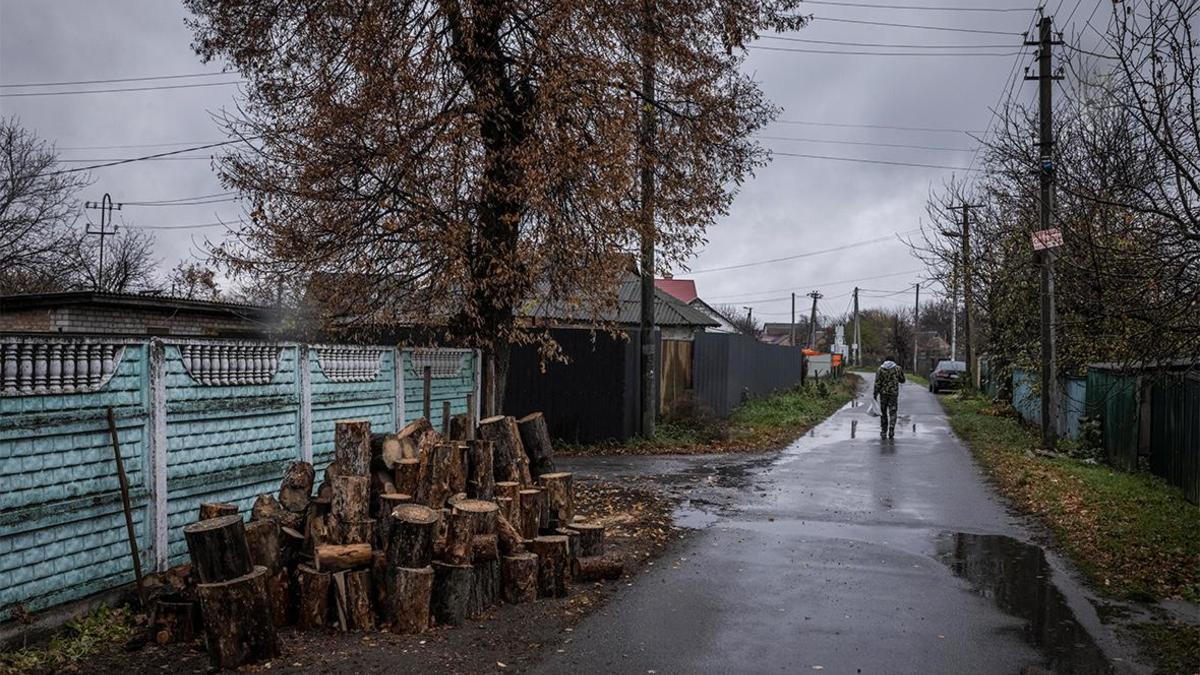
404 531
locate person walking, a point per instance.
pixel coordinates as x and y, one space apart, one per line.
887 391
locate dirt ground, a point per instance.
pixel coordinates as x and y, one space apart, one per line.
509 639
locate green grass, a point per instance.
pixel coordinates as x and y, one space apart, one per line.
1130 534
917 379
1174 647
97 631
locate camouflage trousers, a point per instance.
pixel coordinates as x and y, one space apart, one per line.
888 405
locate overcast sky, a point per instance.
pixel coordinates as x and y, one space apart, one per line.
794 206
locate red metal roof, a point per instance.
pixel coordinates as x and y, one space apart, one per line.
683 290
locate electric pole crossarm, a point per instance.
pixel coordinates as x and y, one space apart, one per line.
105 206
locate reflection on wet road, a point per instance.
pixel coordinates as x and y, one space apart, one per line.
846 552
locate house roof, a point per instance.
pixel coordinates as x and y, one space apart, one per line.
148 301
683 290
668 311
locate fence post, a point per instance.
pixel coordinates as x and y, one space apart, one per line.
157 408
479 402
304 382
399 380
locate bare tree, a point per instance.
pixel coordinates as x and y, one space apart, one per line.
741 319
193 280
129 263
37 209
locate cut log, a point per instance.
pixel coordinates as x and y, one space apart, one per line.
505 505
508 488
458 473
314 596
572 546
268 507
591 539
176 619
411 536
387 449
209 510
238 625
551 551
408 472
485 592
291 545
342 556
352 446
218 549
295 489
382 483
318 532
262 538
410 437
484 548
407 598
519 578
459 536
350 498
597 568
459 427
508 539
358 599
531 512
483 514
481 479
354 532
535 436
283 610
383 521
560 496
388 502
437 469
509 460
452 588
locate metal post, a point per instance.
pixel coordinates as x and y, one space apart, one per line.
793 338
916 325
857 332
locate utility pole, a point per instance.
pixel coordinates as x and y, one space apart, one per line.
105 207
857 332
1045 79
647 134
793 339
953 317
916 325
750 319
964 237
812 321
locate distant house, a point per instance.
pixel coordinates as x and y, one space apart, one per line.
684 290
781 334
134 314
675 319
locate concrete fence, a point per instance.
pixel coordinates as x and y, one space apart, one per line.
197 421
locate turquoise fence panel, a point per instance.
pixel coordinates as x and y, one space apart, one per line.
1113 397
350 382
232 425
62 530
453 376
1027 401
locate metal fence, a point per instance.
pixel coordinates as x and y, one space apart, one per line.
1175 432
1027 401
729 368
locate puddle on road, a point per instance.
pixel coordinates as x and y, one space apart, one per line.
686 515
1016 577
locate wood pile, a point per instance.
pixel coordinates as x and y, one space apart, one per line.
403 531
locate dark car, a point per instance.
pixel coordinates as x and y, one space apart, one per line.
947 375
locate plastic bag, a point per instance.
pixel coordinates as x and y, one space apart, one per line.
873 411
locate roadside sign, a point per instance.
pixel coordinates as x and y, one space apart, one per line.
1044 239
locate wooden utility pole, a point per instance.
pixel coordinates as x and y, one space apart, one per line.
646 136
1045 78
812 320
916 325
953 318
857 332
964 237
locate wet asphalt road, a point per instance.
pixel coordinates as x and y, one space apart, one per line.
845 553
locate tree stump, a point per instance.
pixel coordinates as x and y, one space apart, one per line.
209 510
485 592
506 507
383 521
262 538
458 475
218 549
481 479
509 460
295 490
313 597
176 619
482 514
535 436
358 599
519 578
572 547
436 475
485 548
387 450
560 496
591 539
452 588
352 446
355 532
411 536
508 488
552 554
350 498
460 426
531 512
597 568
283 611
407 599
238 624
508 539
408 472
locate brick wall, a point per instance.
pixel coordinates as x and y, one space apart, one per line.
102 320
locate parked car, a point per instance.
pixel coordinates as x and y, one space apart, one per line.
947 375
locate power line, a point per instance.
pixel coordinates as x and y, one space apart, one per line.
914 7
872 161
122 159
179 227
179 200
738 298
192 203
135 159
875 126
895 45
127 89
112 81
797 256
75 148
801 50
879 145
916 26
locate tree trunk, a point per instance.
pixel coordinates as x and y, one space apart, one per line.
218 549
509 460
295 490
591 539
481 478
210 510
560 496
551 551
459 536
342 556
314 597
262 538
519 578
238 623
535 436
597 568
452 587
407 599
411 536
383 522
531 512
437 469
352 446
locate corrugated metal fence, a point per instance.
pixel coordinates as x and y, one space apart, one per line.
1175 432
730 368
197 420
1027 401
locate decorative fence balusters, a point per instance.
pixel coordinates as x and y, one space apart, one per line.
56 366
441 362
350 364
226 364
